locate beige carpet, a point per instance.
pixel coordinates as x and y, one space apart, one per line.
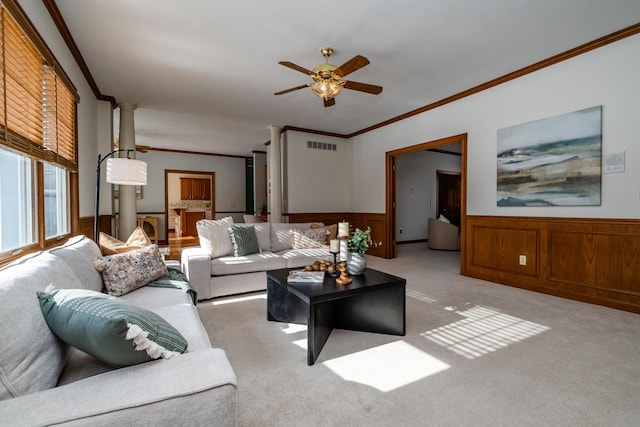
475 354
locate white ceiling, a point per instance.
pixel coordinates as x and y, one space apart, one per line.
203 73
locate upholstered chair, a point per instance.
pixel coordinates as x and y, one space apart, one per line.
443 236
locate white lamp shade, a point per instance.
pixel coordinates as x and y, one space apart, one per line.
126 172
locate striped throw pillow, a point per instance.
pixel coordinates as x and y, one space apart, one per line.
244 240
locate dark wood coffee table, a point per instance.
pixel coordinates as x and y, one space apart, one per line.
373 302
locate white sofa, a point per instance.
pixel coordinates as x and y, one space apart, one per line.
43 381
228 275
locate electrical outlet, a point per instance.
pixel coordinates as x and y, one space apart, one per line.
523 260
401 231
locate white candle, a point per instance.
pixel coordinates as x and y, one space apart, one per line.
334 246
343 229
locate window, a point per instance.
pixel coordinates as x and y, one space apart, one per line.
56 218
38 142
17 217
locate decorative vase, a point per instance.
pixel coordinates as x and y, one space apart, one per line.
356 263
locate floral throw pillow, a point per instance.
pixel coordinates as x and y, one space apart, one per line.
311 238
123 273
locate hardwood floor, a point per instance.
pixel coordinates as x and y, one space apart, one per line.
177 243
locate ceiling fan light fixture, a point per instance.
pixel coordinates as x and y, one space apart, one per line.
327 78
326 89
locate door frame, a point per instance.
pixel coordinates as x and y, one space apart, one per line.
390 213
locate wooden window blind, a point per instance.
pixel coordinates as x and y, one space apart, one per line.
38 108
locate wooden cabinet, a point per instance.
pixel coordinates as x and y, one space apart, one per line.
188 219
195 189
191 217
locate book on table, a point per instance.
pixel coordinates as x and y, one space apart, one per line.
301 276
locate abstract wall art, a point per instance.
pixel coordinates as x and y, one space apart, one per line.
554 161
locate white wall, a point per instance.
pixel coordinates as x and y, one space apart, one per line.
416 191
317 180
607 76
229 181
89 132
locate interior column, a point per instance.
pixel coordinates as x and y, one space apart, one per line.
128 215
275 175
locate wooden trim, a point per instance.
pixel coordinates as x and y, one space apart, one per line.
199 153
74 190
390 187
568 54
594 260
317 132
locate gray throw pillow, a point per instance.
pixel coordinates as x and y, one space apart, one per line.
244 240
109 329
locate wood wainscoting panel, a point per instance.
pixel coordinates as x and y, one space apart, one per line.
501 248
85 226
595 260
605 260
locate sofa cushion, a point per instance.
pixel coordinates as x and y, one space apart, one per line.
214 236
263 232
32 357
262 261
78 253
111 330
314 237
122 273
244 240
109 245
282 236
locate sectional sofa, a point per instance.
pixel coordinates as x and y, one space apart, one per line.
214 270
44 381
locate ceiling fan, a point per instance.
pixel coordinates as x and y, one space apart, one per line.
327 78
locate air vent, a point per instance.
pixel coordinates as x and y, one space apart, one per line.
321 146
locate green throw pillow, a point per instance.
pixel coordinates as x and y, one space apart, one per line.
113 331
244 239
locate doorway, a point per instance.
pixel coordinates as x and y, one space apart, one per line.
391 191
448 196
189 196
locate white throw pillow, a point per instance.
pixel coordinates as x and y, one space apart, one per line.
444 219
214 236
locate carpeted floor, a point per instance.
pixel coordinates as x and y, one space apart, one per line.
475 354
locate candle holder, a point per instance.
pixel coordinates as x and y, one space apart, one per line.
334 274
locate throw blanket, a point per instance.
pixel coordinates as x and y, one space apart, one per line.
176 279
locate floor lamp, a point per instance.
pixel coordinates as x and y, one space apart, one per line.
123 171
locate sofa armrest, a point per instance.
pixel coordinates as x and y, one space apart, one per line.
190 389
196 265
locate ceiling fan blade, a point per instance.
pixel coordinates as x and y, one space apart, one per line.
282 92
363 87
351 65
330 102
295 67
